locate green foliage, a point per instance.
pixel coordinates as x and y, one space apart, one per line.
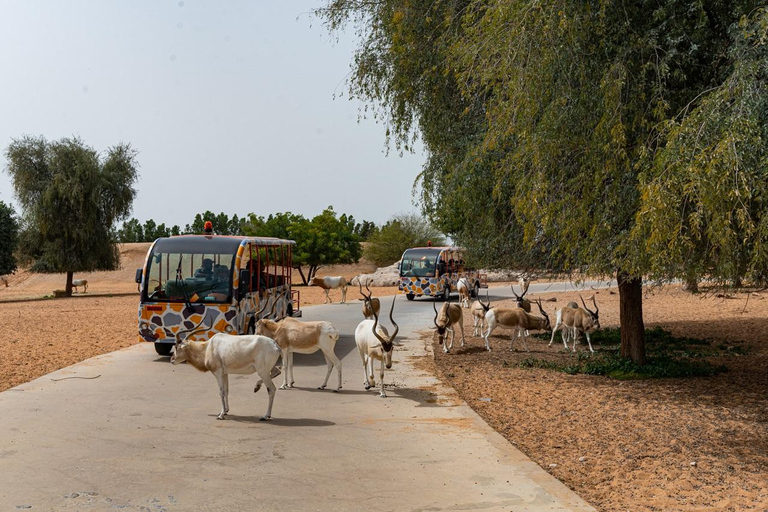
324 240
9 238
222 224
133 231
71 198
668 357
398 234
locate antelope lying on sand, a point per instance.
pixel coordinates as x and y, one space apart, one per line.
516 319
331 283
576 320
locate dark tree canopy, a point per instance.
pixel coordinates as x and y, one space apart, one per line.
71 198
399 233
604 137
9 238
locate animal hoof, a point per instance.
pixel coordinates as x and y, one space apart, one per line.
258 387
264 418
220 417
337 390
382 395
321 387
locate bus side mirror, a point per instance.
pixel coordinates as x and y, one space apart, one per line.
139 275
245 280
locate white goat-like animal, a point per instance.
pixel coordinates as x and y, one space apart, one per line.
4 280
371 306
226 354
450 315
478 310
80 282
462 286
516 319
574 321
331 283
374 343
294 335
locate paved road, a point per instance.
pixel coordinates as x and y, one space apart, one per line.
143 436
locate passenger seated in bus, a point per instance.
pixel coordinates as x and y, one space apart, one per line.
220 290
206 270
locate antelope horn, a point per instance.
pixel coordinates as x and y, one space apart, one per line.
518 297
585 305
543 312
595 303
435 319
486 307
385 344
525 285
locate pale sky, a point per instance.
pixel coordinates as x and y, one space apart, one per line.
230 104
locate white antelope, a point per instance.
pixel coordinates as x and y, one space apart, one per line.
449 316
479 309
226 354
331 283
374 343
371 306
576 320
80 282
300 337
462 286
518 320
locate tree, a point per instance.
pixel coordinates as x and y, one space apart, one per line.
608 138
71 198
324 240
9 238
398 234
222 224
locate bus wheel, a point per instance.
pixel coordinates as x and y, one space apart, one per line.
252 326
289 310
409 296
164 349
476 291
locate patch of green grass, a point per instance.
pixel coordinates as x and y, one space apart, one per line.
667 357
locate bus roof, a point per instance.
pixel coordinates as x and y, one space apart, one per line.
439 248
213 243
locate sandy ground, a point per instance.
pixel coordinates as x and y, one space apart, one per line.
653 445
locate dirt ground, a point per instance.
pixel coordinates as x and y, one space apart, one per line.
697 444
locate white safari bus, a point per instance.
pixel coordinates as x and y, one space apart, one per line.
435 271
225 282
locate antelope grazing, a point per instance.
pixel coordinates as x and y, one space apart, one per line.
462 286
479 309
300 337
331 283
224 354
371 306
518 320
576 320
374 343
450 315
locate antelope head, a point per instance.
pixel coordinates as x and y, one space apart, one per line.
179 353
548 327
520 299
387 343
593 314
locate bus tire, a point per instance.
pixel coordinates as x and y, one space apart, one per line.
476 290
410 296
163 349
289 310
251 326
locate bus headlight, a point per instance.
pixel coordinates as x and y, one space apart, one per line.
229 328
143 326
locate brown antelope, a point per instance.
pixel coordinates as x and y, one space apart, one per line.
518 320
576 320
450 315
374 342
331 283
370 305
520 300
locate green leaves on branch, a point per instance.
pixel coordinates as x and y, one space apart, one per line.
398 234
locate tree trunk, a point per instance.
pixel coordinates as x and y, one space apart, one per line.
301 273
691 284
68 288
631 317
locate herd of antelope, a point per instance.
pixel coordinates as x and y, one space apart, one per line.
225 354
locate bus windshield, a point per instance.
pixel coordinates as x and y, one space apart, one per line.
419 263
189 276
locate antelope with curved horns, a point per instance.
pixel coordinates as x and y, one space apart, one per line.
517 319
374 342
479 309
462 286
450 315
520 300
224 354
577 320
370 305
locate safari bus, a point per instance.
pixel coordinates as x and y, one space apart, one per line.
435 271
223 283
